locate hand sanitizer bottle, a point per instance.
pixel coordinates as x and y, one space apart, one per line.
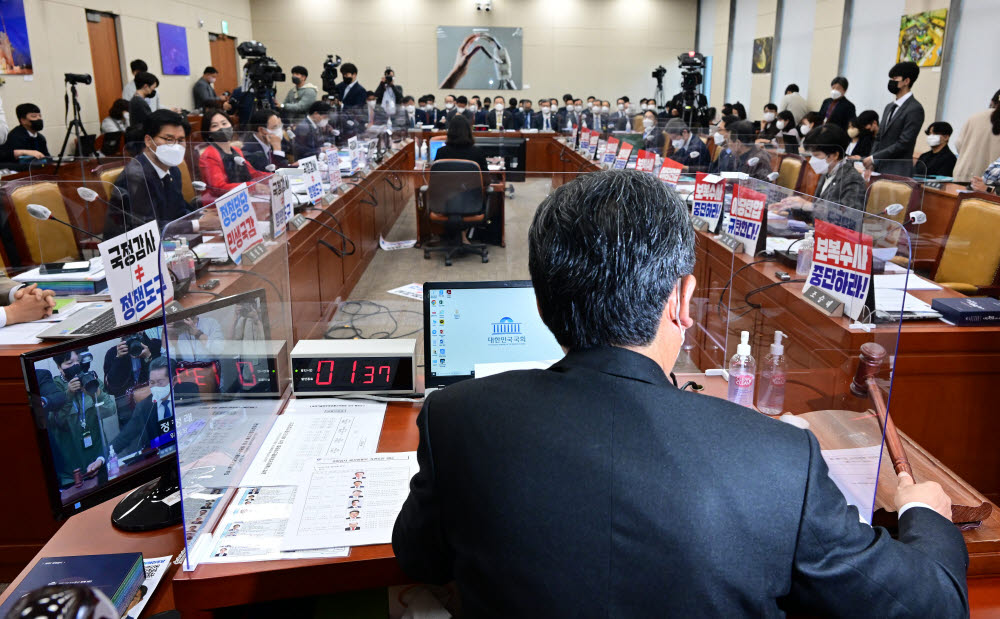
772 379
803 262
423 151
742 370
112 464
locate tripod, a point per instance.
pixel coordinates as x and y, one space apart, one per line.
75 127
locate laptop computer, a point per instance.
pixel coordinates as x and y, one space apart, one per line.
97 318
469 323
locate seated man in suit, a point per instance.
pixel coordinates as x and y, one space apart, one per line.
593 119
23 303
901 122
374 114
152 423
528 115
462 109
266 147
838 181
547 119
449 110
726 161
652 136
499 116
620 120
837 108
751 159
615 521
26 139
313 131
476 107
688 147
150 186
429 115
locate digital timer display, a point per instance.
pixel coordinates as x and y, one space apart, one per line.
229 376
317 374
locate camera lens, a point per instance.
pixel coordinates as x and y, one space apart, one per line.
90 382
134 346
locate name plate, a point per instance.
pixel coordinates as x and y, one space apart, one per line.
298 221
823 301
255 253
699 223
730 242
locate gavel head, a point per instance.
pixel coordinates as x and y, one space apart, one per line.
870 361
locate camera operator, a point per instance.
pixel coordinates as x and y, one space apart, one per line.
126 366
25 140
76 428
389 94
302 95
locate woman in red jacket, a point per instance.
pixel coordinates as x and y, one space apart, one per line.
222 165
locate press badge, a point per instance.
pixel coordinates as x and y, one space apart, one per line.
88 440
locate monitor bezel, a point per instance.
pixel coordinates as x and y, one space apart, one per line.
155 470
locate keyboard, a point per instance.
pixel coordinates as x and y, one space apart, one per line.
104 322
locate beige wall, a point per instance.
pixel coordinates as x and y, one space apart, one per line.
57 31
600 47
825 60
719 53
760 83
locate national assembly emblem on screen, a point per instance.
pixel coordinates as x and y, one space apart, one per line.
506 332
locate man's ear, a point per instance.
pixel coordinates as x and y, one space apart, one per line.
680 309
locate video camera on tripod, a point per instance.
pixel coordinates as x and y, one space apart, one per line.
84 141
329 75
692 103
260 71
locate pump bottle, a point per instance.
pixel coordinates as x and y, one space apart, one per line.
742 371
771 398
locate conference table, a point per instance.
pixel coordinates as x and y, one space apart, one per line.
959 437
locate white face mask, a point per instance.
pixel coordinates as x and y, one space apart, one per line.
648 123
428 108
780 124
448 106
323 122
170 155
819 166
605 109
473 107
621 106
276 132
643 107
498 107
768 117
836 94
371 104
579 109
411 109
160 394
719 139
677 143
545 111
933 140
804 129
590 104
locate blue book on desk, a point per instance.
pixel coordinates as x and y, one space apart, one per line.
118 576
968 310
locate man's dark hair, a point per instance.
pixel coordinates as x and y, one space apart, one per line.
567 97
791 88
162 118
369 94
118 109
462 99
840 80
145 78
740 110
625 99
161 363
260 119
24 109
605 252
319 106
940 128
905 70
675 126
995 116
865 118
138 65
729 119
349 67
771 106
302 70
210 70
788 117
62 357
828 139
408 98
727 109
459 132
742 131
422 100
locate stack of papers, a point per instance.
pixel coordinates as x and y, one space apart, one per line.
904 281
890 301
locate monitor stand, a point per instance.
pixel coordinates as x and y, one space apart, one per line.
144 509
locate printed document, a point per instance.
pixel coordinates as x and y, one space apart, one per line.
855 471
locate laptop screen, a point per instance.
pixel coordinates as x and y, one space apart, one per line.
466 323
435 146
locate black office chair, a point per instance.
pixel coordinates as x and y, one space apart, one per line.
455 197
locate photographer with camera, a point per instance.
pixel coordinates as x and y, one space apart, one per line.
389 94
76 429
25 142
302 95
126 367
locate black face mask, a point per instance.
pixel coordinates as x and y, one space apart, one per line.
348 80
894 87
296 80
152 94
36 125
222 135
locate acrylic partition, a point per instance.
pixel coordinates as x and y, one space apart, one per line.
227 338
832 322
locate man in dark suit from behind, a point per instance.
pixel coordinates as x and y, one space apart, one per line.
900 125
837 108
596 488
150 186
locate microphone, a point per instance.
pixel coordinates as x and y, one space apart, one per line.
40 212
89 195
893 209
773 176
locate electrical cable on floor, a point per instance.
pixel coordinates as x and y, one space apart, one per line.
355 311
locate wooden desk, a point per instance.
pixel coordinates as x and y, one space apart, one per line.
944 376
214 586
319 282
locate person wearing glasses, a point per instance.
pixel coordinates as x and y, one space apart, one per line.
149 188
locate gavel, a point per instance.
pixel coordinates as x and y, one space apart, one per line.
864 385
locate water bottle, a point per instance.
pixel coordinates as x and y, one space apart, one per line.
182 262
772 379
742 371
804 260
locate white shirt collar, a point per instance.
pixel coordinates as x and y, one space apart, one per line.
264 145
159 171
900 101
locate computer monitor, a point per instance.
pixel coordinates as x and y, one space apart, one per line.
96 403
435 146
466 323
